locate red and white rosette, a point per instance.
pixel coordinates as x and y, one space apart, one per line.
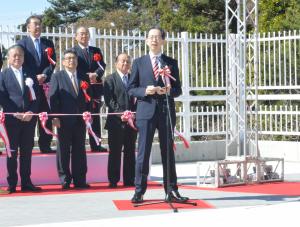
87 117
166 73
181 137
50 52
29 83
43 116
129 117
97 58
3 134
84 86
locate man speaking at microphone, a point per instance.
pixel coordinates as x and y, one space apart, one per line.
149 88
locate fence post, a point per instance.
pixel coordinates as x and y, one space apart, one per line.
185 84
92 41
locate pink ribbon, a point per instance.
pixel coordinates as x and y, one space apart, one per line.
129 117
184 140
166 73
3 134
46 89
87 117
43 118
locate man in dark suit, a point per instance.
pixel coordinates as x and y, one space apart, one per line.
16 97
67 97
37 62
120 135
1 61
91 71
147 86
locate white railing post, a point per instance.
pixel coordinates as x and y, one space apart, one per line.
92 41
185 84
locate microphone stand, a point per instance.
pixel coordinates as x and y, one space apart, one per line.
169 125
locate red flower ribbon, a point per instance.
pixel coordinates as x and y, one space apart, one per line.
129 117
181 137
43 116
3 134
46 89
97 58
87 117
166 74
50 53
84 86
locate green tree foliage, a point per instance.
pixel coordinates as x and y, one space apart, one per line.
278 15
50 18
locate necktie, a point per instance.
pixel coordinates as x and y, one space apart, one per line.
37 48
19 76
86 54
125 81
73 79
155 68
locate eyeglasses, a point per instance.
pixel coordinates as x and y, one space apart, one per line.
70 58
155 37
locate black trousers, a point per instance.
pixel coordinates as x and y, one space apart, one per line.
121 138
146 129
71 146
44 140
21 137
96 126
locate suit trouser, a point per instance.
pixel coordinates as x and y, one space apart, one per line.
21 137
121 136
71 145
146 130
96 127
45 139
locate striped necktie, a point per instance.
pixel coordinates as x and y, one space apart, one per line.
155 67
73 79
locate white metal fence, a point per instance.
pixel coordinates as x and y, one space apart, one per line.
201 58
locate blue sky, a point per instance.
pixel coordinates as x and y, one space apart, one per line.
15 12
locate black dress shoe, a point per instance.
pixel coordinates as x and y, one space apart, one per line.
11 189
113 185
48 151
137 198
128 184
65 186
30 188
82 186
174 196
99 149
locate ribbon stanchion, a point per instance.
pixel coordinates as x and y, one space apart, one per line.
3 134
87 117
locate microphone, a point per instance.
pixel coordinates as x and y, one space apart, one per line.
162 63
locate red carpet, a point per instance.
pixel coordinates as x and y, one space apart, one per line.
275 188
56 189
127 205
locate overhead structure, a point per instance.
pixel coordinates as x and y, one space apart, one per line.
243 163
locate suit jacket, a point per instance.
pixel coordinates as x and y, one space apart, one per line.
1 61
142 76
12 98
116 99
89 65
63 98
31 61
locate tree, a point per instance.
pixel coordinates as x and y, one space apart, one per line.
68 11
50 18
278 15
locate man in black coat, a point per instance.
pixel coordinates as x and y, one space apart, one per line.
120 135
91 67
18 94
147 86
67 97
37 62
